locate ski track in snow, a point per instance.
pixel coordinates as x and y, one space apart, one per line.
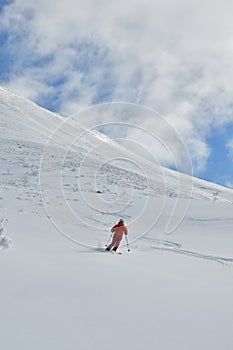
173 247
219 259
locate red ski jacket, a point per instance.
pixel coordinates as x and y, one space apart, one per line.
119 230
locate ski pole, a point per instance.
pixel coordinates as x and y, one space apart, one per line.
127 243
106 244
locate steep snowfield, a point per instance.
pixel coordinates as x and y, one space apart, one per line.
171 291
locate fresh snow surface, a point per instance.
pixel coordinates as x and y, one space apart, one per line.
171 291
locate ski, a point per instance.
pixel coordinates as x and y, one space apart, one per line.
113 252
119 253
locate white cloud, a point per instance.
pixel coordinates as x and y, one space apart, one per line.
229 184
174 56
230 147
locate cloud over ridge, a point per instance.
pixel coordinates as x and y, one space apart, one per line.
174 56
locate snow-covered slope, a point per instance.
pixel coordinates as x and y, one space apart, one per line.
57 294
22 120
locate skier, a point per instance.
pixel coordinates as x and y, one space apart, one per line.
118 230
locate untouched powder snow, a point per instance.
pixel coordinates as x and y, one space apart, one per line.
59 290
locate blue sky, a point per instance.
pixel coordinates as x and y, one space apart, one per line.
220 162
175 57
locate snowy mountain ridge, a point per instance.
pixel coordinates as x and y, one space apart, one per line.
21 119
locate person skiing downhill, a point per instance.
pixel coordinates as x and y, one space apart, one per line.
118 230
